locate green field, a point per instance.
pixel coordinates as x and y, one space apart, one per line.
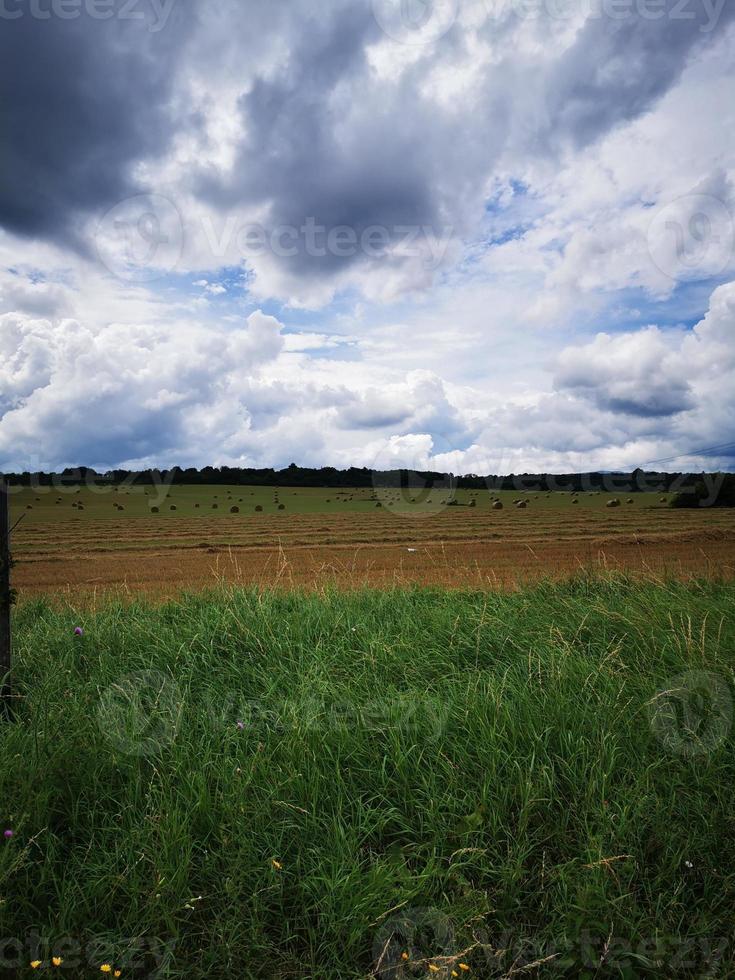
457 778
44 505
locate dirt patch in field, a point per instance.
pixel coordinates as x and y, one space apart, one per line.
352 551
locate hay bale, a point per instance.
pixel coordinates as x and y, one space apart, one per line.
575 501
259 509
497 505
613 503
378 505
154 510
521 505
281 506
215 506
663 500
172 507
629 500
234 510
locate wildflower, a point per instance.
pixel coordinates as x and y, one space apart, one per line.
56 960
105 968
241 725
78 631
276 864
434 968
35 964
454 973
688 864
405 956
463 966
9 834
117 973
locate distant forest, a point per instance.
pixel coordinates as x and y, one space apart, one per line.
695 485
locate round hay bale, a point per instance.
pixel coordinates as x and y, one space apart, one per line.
197 506
378 504
281 506
575 501
613 503
629 500
172 507
215 506
154 510
497 505
234 510
259 509
663 500
521 505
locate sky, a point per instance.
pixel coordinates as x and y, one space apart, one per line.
485 236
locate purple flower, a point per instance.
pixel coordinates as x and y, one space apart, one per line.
78 631
241 725
8 834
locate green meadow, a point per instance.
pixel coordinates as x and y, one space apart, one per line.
48 505
387 784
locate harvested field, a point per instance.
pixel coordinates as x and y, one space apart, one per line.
340 537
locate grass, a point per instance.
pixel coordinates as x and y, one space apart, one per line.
45 505
445 775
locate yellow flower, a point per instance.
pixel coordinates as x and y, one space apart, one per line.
454 973
405 956
56 960
463 966
433 967
105 968
35 964
276 864
117 973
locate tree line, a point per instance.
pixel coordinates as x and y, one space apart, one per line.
693 488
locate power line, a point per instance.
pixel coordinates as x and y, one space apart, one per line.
695 452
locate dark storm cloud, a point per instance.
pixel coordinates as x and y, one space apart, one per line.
619 66
326 142
325 139
82 100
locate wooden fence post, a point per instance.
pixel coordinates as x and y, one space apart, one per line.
5 595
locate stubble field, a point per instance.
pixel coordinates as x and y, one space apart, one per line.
161 540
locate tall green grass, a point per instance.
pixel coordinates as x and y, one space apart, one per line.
488 779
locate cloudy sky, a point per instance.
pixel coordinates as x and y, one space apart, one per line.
479 235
